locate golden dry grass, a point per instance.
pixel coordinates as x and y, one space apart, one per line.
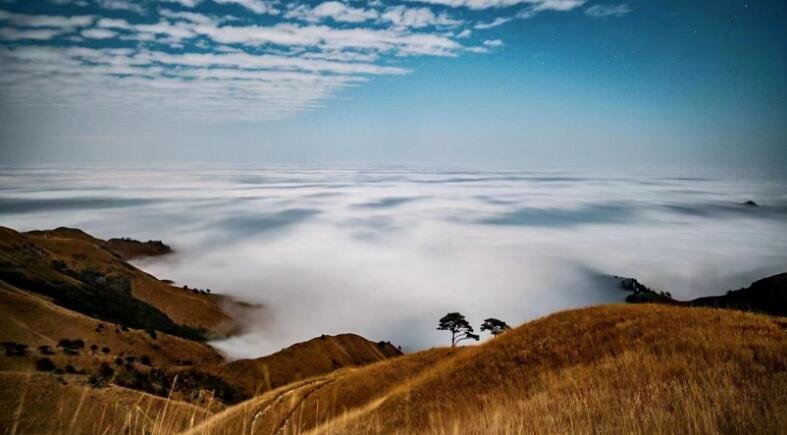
618 368
79 251
301 361
609 369
35 403
33 320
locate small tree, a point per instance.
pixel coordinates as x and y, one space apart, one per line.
494 326
458 326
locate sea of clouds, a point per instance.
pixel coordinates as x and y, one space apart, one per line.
384 252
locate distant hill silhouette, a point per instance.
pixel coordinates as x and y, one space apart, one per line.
768 295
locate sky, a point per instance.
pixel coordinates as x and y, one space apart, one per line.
501 83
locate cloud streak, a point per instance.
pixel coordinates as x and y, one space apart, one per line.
601 11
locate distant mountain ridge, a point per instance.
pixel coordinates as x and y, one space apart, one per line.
767 295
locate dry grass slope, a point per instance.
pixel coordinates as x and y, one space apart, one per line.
32 320
35 403
618 368
79 251
303 360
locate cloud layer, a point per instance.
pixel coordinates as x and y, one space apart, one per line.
239 59
385 253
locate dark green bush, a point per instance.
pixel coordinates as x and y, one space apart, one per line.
45 365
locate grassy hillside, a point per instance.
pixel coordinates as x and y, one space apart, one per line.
619 368
81 273
76 319
35 403
28 319
79 356
130 248
303 360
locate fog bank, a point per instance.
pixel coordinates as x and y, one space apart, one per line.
385 252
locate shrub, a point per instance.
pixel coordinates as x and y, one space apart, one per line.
71 347
105 371
144 359
45 365
14 349
73 370
105 350
97 381
45 350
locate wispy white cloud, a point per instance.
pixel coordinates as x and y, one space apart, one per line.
133 6
53 21
401 16
52 77
13 34
256 6
256 62
176 57
541 5
538 6
499 21
98 33
464 34
187 16
334 10
528 8
609 10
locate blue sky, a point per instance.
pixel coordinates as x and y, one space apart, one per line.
447 82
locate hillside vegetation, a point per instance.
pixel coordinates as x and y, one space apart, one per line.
618 368
92 345
79 325
42 404
81 273
767 295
